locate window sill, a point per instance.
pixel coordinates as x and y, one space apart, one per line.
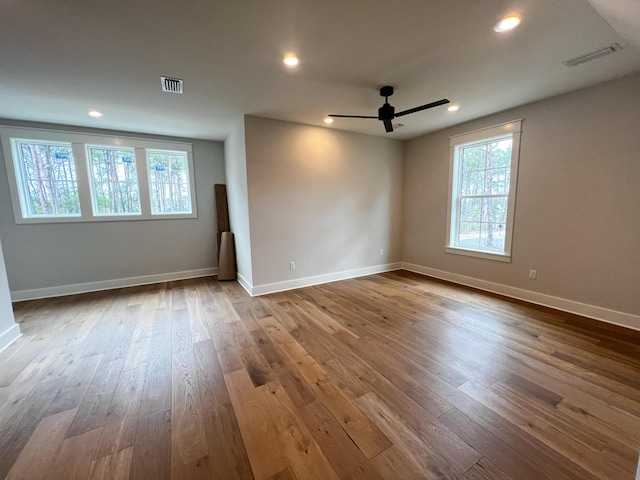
100 218
500 257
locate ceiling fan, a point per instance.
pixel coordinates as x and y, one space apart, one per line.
387 112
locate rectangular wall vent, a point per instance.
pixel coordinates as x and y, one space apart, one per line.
172 85
587 57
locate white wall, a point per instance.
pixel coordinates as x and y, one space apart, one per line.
325 199
235 160
45 259
576 218
9 330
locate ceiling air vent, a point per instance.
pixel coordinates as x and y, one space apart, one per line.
587 57
172 85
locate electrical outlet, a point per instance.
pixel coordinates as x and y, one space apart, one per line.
533 274
292 265
381 252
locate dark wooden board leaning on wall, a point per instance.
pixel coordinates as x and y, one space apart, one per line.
226 248
222 211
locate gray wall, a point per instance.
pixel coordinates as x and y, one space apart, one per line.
576 218
7 324
326 199
235 160
52 255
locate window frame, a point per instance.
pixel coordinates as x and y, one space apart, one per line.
80 143
190 181
92 181
17 167
511 129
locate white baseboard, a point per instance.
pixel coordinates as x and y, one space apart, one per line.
9 336
598 313
318 279
244 283
62 290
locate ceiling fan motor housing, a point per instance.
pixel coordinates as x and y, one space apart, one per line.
386 112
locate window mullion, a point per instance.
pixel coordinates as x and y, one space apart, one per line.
143 181
494 195
82 178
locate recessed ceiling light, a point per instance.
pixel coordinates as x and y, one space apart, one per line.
328 120
95 113
507 23
453 108
290 60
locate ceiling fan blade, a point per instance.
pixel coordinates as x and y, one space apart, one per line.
444 101
349 116
387 126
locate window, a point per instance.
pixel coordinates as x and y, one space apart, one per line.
168 182
72 177
483 173
114 181
46 179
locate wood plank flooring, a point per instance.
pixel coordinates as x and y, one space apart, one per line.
386 377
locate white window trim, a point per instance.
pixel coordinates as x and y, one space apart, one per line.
79 142
513 128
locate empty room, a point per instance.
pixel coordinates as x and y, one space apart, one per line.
320 240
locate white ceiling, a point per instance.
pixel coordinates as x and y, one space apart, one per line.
60 59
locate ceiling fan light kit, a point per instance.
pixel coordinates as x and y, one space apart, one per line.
387 112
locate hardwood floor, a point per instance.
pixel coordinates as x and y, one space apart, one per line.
391 376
